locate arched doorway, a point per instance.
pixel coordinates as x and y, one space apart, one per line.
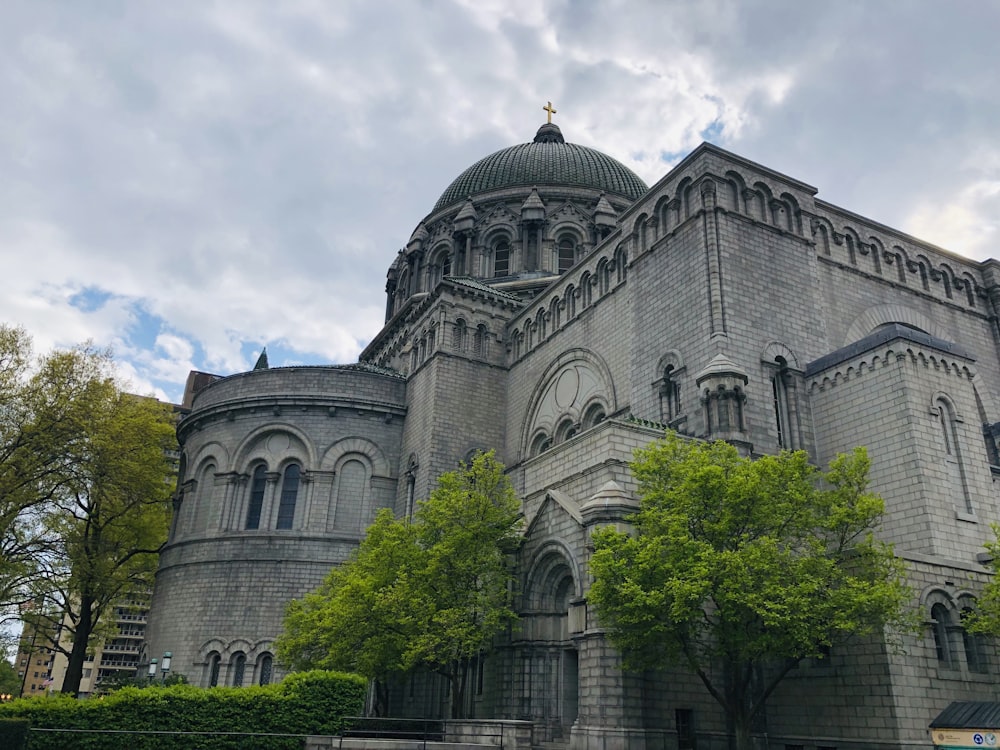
550 673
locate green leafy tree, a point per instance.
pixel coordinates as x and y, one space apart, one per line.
985 619
355 620
85 482
112 514
45 406
738 569
428 594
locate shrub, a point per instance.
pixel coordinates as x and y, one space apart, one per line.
14 733
306 703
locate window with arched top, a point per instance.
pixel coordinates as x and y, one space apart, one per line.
779 391
258 485
202 500
212 668
566 253
501 258
566 430
975 652
952 450
540 444
479 343
940 626
265 669
594 415
458 334
289 494
670 395
237 669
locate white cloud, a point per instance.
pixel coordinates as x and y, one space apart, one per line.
230 175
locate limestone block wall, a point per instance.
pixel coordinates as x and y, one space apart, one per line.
246 538
455 408
596 346
914 408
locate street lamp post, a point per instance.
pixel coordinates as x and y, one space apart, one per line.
165 665
152 669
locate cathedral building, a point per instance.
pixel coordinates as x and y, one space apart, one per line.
555 308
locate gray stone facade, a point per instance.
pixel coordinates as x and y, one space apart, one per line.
566 324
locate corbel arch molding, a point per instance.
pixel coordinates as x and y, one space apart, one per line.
671 358
212 645
238 645
736 187
357 445
946 398
934 594
214 451
498 231
255 446
879 315
590 371
776 349
547 570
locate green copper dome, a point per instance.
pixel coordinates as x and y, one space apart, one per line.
548 160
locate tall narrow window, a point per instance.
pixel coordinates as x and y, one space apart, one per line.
265 669
940 623
257 486
948 424
458 336
670 395
567 254
479 343
237 668
779 388
289 494
214 660
975 654
446 265
684 720
501 258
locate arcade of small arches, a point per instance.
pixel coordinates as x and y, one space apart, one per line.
955 647
239 665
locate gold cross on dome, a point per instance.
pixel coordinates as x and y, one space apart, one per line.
548 108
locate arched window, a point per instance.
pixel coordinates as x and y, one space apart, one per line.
258 484
670 395
779 389
458 336
289 494
479 342
501 258
567 253
948 424
593 416
975 654
540 444
565 430
237 669
265 669
202 500
214 660
940 623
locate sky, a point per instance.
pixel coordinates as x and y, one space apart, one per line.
189 181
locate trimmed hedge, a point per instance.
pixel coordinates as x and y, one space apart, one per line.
304 703
14 734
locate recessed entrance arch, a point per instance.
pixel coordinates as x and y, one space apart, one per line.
550 672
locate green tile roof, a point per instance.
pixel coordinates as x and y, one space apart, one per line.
547 161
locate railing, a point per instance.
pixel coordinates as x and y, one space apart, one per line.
423 731
378 728
413 732
157 740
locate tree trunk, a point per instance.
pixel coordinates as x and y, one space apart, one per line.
458 680
84 627
741 725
